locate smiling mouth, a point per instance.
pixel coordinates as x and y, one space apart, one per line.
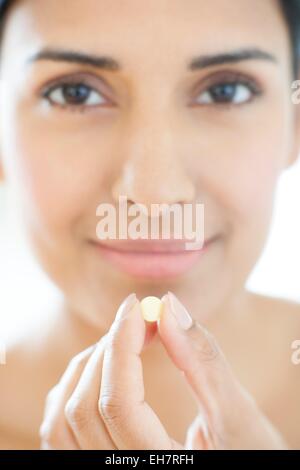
151 259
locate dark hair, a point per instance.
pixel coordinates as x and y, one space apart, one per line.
290 9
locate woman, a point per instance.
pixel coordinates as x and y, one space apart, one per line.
166 102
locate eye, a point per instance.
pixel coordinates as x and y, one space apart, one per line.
228 93
74 94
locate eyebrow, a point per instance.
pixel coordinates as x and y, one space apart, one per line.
230 57
60 55
110 64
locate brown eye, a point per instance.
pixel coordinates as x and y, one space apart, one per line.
224 93
76 94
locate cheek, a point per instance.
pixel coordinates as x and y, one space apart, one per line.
59 176
255 166
240 166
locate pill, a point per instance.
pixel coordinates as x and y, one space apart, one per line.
151 308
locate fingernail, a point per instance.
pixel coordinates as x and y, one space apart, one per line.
126 306
202 425
181 314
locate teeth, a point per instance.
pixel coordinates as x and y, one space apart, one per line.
151 308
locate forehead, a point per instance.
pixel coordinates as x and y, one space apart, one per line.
153 30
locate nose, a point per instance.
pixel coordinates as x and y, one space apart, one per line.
152 171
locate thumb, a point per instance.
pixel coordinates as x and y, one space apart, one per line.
196 353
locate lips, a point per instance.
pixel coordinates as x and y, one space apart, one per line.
151 259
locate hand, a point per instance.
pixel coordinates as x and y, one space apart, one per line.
228 416
72 418
87 411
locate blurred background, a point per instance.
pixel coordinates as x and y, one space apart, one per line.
25 291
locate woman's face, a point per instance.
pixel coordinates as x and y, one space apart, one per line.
152 128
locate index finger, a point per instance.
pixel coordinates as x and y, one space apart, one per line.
130 421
